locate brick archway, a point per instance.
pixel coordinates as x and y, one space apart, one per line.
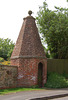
40 74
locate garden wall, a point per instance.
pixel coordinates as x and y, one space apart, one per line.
8 76
57 65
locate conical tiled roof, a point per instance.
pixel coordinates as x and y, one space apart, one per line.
28 43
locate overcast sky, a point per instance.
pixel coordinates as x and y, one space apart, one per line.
12 13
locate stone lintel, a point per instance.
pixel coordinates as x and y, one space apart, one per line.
27 57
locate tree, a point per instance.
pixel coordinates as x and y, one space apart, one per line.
6 46
53 26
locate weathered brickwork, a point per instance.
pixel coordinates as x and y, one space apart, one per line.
15 62
8 76
28 42
28 71
28 53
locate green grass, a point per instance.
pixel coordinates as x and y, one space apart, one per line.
56 80
14 90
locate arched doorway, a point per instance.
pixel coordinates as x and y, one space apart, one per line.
40 74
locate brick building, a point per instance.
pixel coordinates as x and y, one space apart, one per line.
29 55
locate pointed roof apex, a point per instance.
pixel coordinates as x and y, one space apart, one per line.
28 44
29 17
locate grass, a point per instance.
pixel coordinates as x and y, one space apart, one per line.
14 90
54 80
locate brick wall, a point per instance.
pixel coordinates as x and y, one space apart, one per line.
8 76
28 71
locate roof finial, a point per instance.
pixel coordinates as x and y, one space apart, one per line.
29 12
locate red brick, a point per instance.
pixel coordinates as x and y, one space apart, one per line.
28 53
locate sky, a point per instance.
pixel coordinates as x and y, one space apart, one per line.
12 13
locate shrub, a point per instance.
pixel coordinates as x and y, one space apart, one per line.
65 75
6 63
56 81
1 59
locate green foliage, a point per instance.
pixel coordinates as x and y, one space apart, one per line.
65 75
56 81
6 48
9 53
53 26
47 53
1 59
